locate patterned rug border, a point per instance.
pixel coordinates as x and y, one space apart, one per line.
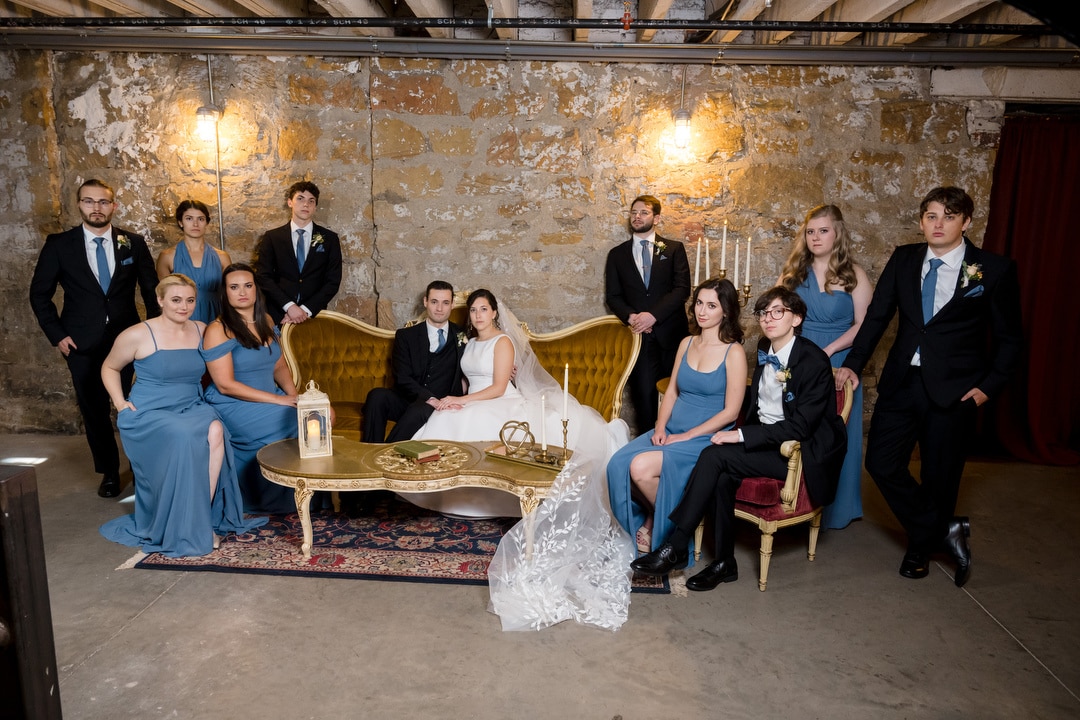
413 545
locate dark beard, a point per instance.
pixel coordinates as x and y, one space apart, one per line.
96 223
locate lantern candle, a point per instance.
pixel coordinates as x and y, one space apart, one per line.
313 433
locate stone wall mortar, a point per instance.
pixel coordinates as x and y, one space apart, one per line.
513 176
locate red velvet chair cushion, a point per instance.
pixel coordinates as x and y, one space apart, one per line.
776 511
760 491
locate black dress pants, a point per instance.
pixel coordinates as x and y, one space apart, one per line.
716 478
385 404
900 420
93 400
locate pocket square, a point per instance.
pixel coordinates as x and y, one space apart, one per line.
974 292
319 248
127 261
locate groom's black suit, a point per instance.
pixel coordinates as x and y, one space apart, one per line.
419 375
665 298
279 275
810 417
974 341
92 318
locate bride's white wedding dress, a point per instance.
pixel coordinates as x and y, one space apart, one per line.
580 566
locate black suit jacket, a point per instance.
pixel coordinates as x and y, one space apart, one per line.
665 298
92 317
809 416
413 378
280 279
973 341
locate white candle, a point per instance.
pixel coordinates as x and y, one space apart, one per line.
723 249
747 261
313 432
735 281
697 265
565 391
543 427
708 263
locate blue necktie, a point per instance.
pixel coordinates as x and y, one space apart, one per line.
102 265
764 358
442 340
301 248
646 261
929 288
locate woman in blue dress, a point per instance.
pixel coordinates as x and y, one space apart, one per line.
186 494
195 259
837 293
252 388
646 478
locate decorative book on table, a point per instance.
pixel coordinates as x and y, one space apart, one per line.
418 451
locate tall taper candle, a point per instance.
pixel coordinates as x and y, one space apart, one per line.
697 265
748 261
708 264
723 249
543 427
735 281
565 391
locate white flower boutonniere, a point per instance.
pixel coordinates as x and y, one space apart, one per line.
969 273
660 247
782 377
123 242
461 339
317 240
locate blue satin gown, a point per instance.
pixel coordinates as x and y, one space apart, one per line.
207 279
701 395
828 316
254 425
165 440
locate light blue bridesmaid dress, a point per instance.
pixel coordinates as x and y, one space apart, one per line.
207 279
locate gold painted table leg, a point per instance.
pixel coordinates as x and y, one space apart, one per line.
303 509
529 502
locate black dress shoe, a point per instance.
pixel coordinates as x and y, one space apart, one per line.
109 487
915 565
956 545
662 560
724 571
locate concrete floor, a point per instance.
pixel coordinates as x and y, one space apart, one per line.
842 637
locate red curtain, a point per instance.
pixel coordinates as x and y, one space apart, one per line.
1033 219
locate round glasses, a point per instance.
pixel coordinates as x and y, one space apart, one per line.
774 314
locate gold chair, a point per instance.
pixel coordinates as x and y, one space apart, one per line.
345 357
601 352
771 505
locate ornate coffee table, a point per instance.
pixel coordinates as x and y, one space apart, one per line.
376 466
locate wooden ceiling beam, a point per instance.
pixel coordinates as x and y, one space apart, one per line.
651 10
433 9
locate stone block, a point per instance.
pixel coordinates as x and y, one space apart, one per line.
397 139
414 94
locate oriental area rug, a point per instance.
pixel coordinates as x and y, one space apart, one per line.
392 541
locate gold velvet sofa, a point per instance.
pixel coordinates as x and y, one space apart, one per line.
347 358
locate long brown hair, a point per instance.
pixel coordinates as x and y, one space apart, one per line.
841 268
729 330
235 326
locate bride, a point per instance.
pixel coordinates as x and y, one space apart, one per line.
578 569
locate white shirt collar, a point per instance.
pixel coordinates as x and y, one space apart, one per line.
952 259
91 238
783 353
651 237
305 228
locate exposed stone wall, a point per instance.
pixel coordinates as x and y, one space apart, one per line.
514 176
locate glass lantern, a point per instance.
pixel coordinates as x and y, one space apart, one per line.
313 422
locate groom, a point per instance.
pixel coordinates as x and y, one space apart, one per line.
98 267
958 339
792 397
426 368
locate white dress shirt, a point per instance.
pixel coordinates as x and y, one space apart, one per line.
947 275
639 259
293 227
90 241
433 334
770 391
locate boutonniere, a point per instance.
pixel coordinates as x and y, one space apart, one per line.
782 377
317 239
123 242
461 339
660 247
969 273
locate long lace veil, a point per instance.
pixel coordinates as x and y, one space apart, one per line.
580 563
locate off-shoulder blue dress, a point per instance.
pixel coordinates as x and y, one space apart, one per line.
254 425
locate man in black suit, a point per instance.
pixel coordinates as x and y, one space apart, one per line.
426 367
97 266
647 282
958 339
298 265
793 397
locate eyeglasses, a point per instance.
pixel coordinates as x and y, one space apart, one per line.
775 314
89 203
640 213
